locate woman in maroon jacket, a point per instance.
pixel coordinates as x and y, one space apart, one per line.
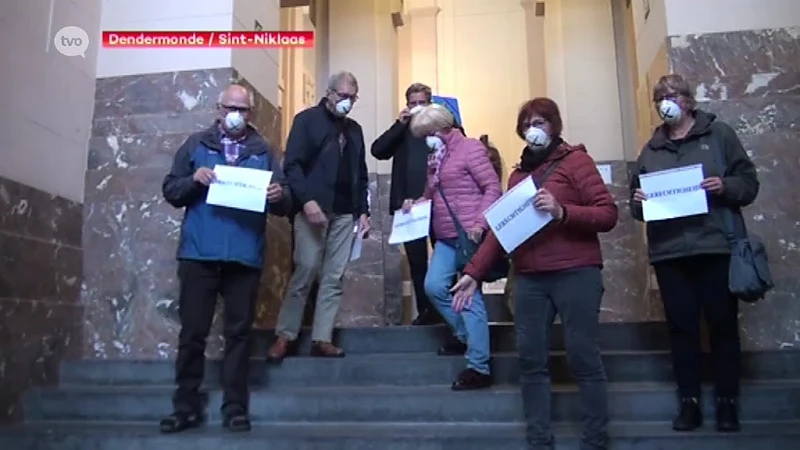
558 271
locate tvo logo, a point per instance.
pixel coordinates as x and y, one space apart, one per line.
71 41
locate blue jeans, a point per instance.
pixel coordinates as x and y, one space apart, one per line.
471 325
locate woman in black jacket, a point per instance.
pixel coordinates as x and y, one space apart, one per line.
690 255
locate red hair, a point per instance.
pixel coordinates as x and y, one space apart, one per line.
540 106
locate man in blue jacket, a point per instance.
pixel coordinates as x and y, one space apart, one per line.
220 253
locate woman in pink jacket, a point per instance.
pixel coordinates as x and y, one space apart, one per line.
462 183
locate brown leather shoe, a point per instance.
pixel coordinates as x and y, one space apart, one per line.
326 350
280 349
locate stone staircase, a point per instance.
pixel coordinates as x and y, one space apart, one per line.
392 393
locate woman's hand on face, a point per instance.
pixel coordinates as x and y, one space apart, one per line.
463 290
544 201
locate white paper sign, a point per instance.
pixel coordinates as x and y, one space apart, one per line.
358 243
605 172
415 224
513 217
239 188
673 193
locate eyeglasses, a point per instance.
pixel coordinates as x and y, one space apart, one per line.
535 123
346 96
671 97
236 108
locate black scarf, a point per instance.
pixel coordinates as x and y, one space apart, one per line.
532 159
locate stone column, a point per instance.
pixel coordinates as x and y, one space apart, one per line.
536 39
424 45
321 11
148 101
363 41
745 67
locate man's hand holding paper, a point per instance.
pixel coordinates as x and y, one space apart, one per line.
241 188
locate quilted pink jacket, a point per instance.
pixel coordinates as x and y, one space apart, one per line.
468 180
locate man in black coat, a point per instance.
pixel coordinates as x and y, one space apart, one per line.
409 175
326 170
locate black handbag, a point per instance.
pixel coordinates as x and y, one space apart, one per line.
749 277
466 247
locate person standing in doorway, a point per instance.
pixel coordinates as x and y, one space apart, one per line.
409 175
691 255
220 253
326 169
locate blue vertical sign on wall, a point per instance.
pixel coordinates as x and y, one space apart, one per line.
451 103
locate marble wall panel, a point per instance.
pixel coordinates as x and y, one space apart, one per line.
130 288
373 283
624 258
40 278
751 80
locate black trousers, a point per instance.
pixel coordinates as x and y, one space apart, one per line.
417 255
691 288
200 285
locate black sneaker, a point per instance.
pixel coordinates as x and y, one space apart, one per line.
728 415
453 348
690 417
470 380
428 317
235 419
181 421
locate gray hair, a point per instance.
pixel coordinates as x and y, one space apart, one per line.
336 80
250 96
432 119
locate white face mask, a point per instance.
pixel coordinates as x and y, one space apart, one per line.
234 121
415 110
344 106
434 142
669 111
537 138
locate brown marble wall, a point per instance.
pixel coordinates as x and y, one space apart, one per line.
373 284
41 317
624 257
751 80
130 233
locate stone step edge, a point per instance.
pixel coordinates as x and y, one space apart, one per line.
412 355
621 386
407 430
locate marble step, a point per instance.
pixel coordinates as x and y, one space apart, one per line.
385 436
761 401
408 339
413 369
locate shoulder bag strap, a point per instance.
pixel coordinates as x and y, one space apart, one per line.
735 227
326 141
456 222
549 171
